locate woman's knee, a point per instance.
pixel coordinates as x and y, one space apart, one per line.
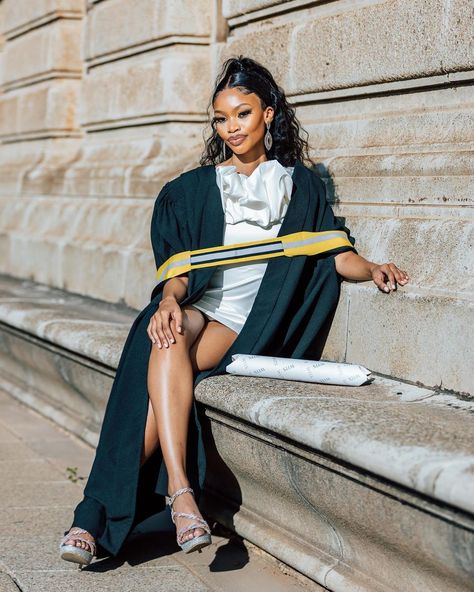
192 325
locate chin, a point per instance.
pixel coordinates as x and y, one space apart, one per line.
242 149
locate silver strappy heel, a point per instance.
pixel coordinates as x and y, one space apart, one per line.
72 552
196 543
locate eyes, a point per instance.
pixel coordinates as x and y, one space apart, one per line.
221 119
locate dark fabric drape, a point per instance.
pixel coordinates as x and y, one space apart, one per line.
290 317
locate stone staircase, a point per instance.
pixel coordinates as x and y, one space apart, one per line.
359 488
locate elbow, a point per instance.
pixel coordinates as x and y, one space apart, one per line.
340 261
184 280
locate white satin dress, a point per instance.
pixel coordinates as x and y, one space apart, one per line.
254 207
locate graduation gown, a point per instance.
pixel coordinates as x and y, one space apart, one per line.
290 317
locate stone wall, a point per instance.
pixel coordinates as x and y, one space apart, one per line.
103 101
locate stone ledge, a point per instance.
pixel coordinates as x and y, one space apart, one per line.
411 436
92 328
331 480
364 426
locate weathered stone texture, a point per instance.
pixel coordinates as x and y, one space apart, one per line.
122 25
380 41
168 83
47 108
409 334
382 88
45 51
36 167
132 165
19 15
86 246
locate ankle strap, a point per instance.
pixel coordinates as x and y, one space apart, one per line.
170 499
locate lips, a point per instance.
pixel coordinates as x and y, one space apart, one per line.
237 140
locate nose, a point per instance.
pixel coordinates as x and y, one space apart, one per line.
233 125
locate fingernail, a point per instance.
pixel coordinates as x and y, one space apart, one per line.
172 341
386 289
393 287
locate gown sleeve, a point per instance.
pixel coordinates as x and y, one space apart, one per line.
326 219
168 231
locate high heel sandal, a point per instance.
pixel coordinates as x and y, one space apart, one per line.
72 552
196 543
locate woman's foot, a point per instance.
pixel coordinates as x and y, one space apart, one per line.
78 543
186 503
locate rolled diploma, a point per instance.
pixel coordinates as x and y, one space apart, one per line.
296 369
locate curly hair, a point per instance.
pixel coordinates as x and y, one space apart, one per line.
251 77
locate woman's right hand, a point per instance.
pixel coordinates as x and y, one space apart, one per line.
159 329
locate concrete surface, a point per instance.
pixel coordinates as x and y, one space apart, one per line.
37 496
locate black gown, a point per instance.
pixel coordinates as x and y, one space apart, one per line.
291 321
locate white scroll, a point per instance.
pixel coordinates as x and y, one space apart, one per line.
296 369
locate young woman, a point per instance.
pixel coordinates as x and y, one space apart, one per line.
252 185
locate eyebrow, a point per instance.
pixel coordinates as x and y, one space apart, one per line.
219 111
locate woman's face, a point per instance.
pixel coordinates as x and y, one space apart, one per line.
241 116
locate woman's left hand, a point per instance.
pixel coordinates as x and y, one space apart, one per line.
386 276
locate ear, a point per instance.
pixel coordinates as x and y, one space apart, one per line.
269 114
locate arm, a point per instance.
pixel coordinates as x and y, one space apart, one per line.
353 266
174 291
175 288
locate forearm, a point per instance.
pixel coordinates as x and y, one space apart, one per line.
176 288
352 266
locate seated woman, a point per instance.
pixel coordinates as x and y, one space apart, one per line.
252 187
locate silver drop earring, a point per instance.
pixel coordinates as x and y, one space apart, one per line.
268 140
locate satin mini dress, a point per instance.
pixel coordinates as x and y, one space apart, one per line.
254 208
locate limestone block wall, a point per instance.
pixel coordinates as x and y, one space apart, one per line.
102 102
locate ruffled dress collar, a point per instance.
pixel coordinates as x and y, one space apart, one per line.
261 198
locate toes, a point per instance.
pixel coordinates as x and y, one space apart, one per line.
196 532
80 544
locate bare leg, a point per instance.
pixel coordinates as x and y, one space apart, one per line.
170 387
205 342
151 440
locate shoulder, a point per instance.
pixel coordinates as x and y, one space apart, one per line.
189 176
184 190
170 191
312 176
191 186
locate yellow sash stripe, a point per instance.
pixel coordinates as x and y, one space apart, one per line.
180 262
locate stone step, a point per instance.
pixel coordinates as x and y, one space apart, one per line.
358 488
